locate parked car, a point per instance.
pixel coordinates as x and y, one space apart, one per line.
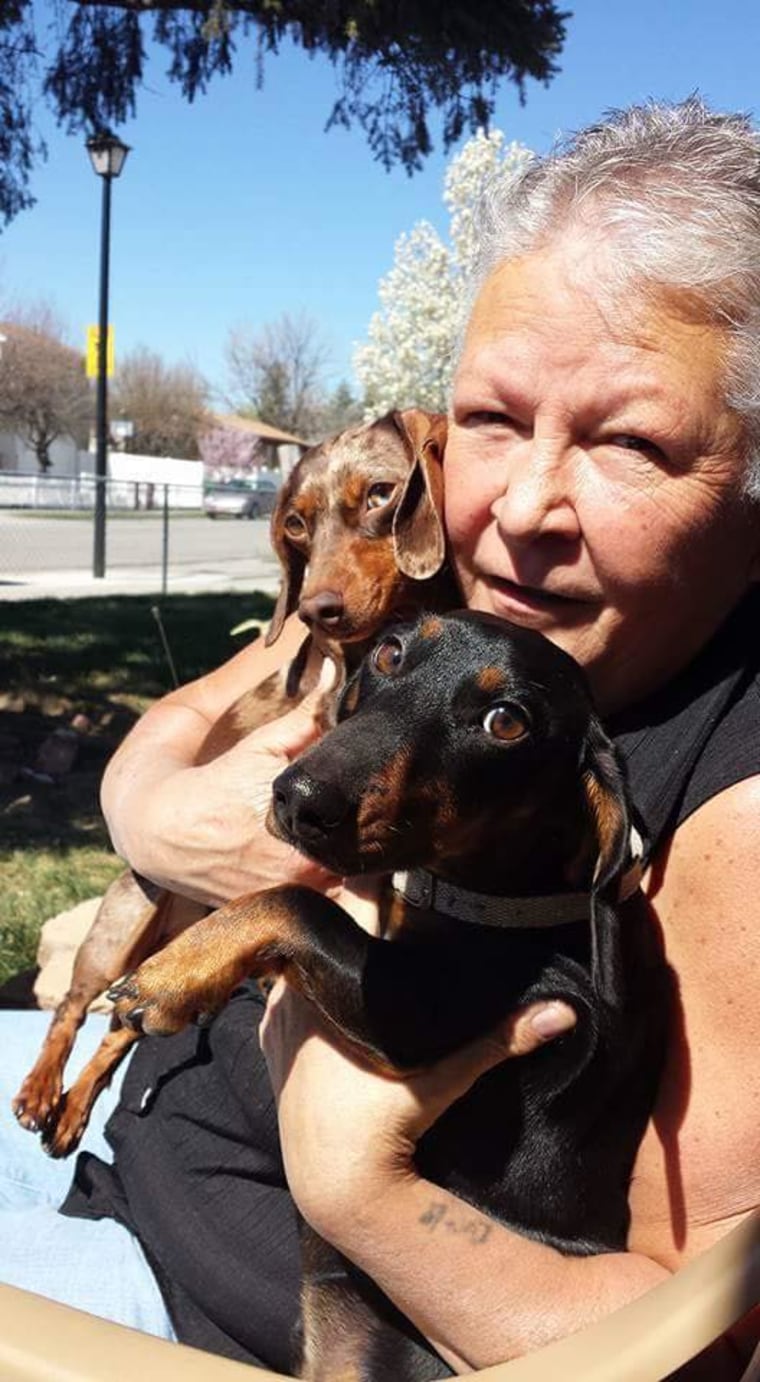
253 498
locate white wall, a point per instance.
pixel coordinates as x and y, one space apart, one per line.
15 455
184 478
133 481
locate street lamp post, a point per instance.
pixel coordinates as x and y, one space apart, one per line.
107 155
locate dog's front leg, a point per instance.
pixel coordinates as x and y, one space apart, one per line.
369 991
127 926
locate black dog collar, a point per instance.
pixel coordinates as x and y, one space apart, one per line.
420 888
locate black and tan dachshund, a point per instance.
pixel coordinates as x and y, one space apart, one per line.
469 764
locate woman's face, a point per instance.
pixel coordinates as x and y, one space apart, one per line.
593 472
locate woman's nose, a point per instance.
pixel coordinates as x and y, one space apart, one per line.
538 498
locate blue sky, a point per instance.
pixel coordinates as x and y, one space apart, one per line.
239 207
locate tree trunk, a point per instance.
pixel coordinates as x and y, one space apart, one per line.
42 452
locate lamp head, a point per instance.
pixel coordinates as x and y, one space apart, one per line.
107 154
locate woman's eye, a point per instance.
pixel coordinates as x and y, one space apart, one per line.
505 722
484 418
380 494
388 656
294 525
628 442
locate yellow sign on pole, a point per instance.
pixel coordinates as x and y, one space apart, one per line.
93 344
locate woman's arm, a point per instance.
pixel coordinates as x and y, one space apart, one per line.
698 1168
200 830
480 1292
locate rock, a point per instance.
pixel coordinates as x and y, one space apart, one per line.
12 702
60 939
56 754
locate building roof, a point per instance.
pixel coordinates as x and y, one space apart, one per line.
234 423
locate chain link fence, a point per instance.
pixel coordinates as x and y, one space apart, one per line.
157 537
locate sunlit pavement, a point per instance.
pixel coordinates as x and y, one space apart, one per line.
48 555
67 585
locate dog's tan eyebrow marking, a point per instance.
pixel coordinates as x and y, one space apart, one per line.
343 484
352 488
491 679
431 628
308 501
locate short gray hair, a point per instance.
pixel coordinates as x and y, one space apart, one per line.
676 189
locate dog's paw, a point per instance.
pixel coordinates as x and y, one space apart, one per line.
151 1007
37 1100
63 1132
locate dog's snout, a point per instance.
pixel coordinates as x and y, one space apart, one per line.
325 608
305 808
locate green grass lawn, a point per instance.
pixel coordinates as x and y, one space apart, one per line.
101 659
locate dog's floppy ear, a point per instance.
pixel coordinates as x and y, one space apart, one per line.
607 802
418 538
292 564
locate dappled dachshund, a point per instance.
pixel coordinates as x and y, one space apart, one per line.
358 533
468 765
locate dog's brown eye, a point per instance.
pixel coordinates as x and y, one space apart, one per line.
388 656
378 495
294 526
504 722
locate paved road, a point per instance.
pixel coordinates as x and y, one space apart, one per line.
53 555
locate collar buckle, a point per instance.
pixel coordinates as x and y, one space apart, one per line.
415 886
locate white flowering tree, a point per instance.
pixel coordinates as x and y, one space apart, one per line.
408 358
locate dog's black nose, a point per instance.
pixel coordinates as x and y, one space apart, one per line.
325 608
307 810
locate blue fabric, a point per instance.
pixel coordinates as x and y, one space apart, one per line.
94 1265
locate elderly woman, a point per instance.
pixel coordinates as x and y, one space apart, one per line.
601 487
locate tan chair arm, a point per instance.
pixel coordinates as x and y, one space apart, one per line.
41 1341
654 1335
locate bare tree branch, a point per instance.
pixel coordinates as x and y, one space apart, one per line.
43 390
167 404
277 374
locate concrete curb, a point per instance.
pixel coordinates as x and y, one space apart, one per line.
81 585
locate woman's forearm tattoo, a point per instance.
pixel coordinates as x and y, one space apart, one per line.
441 1219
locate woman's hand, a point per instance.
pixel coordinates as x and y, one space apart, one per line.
201 831
348 1134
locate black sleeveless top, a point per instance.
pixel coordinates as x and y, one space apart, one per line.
701 733
198 1175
